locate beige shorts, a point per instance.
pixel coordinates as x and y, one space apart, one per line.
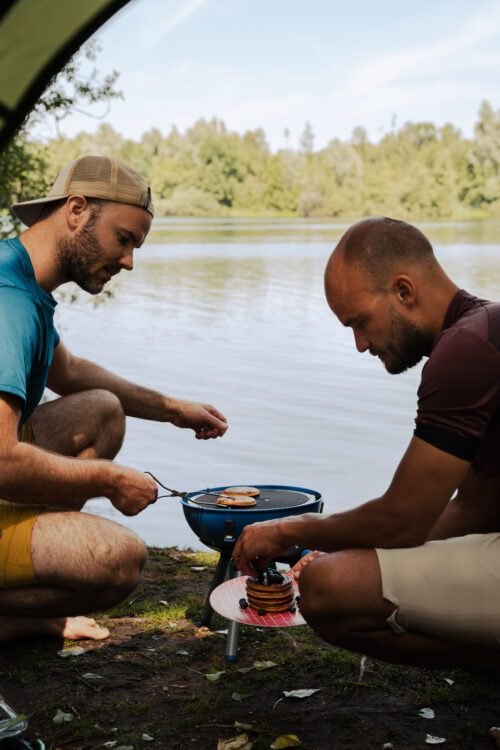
16 527
448 588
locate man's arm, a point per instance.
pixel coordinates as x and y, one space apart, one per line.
70 374
32 476
402 517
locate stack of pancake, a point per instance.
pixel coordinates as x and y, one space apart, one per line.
271 592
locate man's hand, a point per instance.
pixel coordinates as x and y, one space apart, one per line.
301 564
206 421
258 545
132 490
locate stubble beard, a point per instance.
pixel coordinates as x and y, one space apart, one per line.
408 346
77 255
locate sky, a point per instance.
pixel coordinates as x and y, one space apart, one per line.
275 64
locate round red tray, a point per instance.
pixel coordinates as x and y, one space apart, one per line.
225 600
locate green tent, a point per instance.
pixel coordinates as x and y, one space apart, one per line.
37 38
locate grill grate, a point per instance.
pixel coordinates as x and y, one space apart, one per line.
267 499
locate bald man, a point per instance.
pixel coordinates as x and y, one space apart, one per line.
412 576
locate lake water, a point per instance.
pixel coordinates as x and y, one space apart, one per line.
233 312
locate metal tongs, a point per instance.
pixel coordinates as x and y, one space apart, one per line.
183 495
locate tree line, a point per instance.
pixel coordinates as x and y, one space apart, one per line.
419 171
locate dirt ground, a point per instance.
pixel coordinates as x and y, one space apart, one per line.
160 682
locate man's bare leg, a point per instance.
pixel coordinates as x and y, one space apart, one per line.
90 425
341 599
82 563
84 425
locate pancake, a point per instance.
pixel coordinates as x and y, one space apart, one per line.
270 592
243 501
242 491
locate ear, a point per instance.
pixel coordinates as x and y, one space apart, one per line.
76 211
404 289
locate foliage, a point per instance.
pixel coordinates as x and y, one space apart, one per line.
418 171
27 168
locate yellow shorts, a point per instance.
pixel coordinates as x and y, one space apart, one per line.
16 526
448 588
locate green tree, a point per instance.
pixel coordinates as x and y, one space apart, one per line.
26 170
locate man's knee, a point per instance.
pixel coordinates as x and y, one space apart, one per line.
111 417
340 588
120 571
320 588
88 424
86 554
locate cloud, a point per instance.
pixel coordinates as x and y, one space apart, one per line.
452 52
166 15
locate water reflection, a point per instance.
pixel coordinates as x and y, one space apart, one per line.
237 317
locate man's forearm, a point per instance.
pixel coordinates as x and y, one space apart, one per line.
135 400
31 475
368 525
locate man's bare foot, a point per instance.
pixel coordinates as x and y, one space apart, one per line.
79 627
73 628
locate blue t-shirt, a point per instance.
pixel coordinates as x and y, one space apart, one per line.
27 333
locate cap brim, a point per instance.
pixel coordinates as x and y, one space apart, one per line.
29 211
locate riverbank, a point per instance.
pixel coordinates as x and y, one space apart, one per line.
161 682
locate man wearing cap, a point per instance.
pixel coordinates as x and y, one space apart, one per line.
56 562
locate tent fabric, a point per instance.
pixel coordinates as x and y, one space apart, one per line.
37 38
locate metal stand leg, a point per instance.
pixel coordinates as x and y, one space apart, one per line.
219 575
233 630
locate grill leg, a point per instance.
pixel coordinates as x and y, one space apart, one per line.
219 575
233 629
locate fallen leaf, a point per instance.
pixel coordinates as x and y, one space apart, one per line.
72 651
110 743
240 696
213 676
286 740
241 742
198 567
242 725
244 670
449 680
164 602
300 693
60 717
432 740
203 632
147 738
387 746
426 713
264 664
182 653
92 676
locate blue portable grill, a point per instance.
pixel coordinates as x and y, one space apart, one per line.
219 527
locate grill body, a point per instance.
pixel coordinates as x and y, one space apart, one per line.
219 527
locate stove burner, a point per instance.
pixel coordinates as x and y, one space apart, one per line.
268 498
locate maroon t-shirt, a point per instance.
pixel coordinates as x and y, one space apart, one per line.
459 394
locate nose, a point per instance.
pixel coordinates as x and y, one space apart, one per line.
127 260
361 342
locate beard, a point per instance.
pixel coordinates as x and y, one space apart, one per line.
409 344
80 253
